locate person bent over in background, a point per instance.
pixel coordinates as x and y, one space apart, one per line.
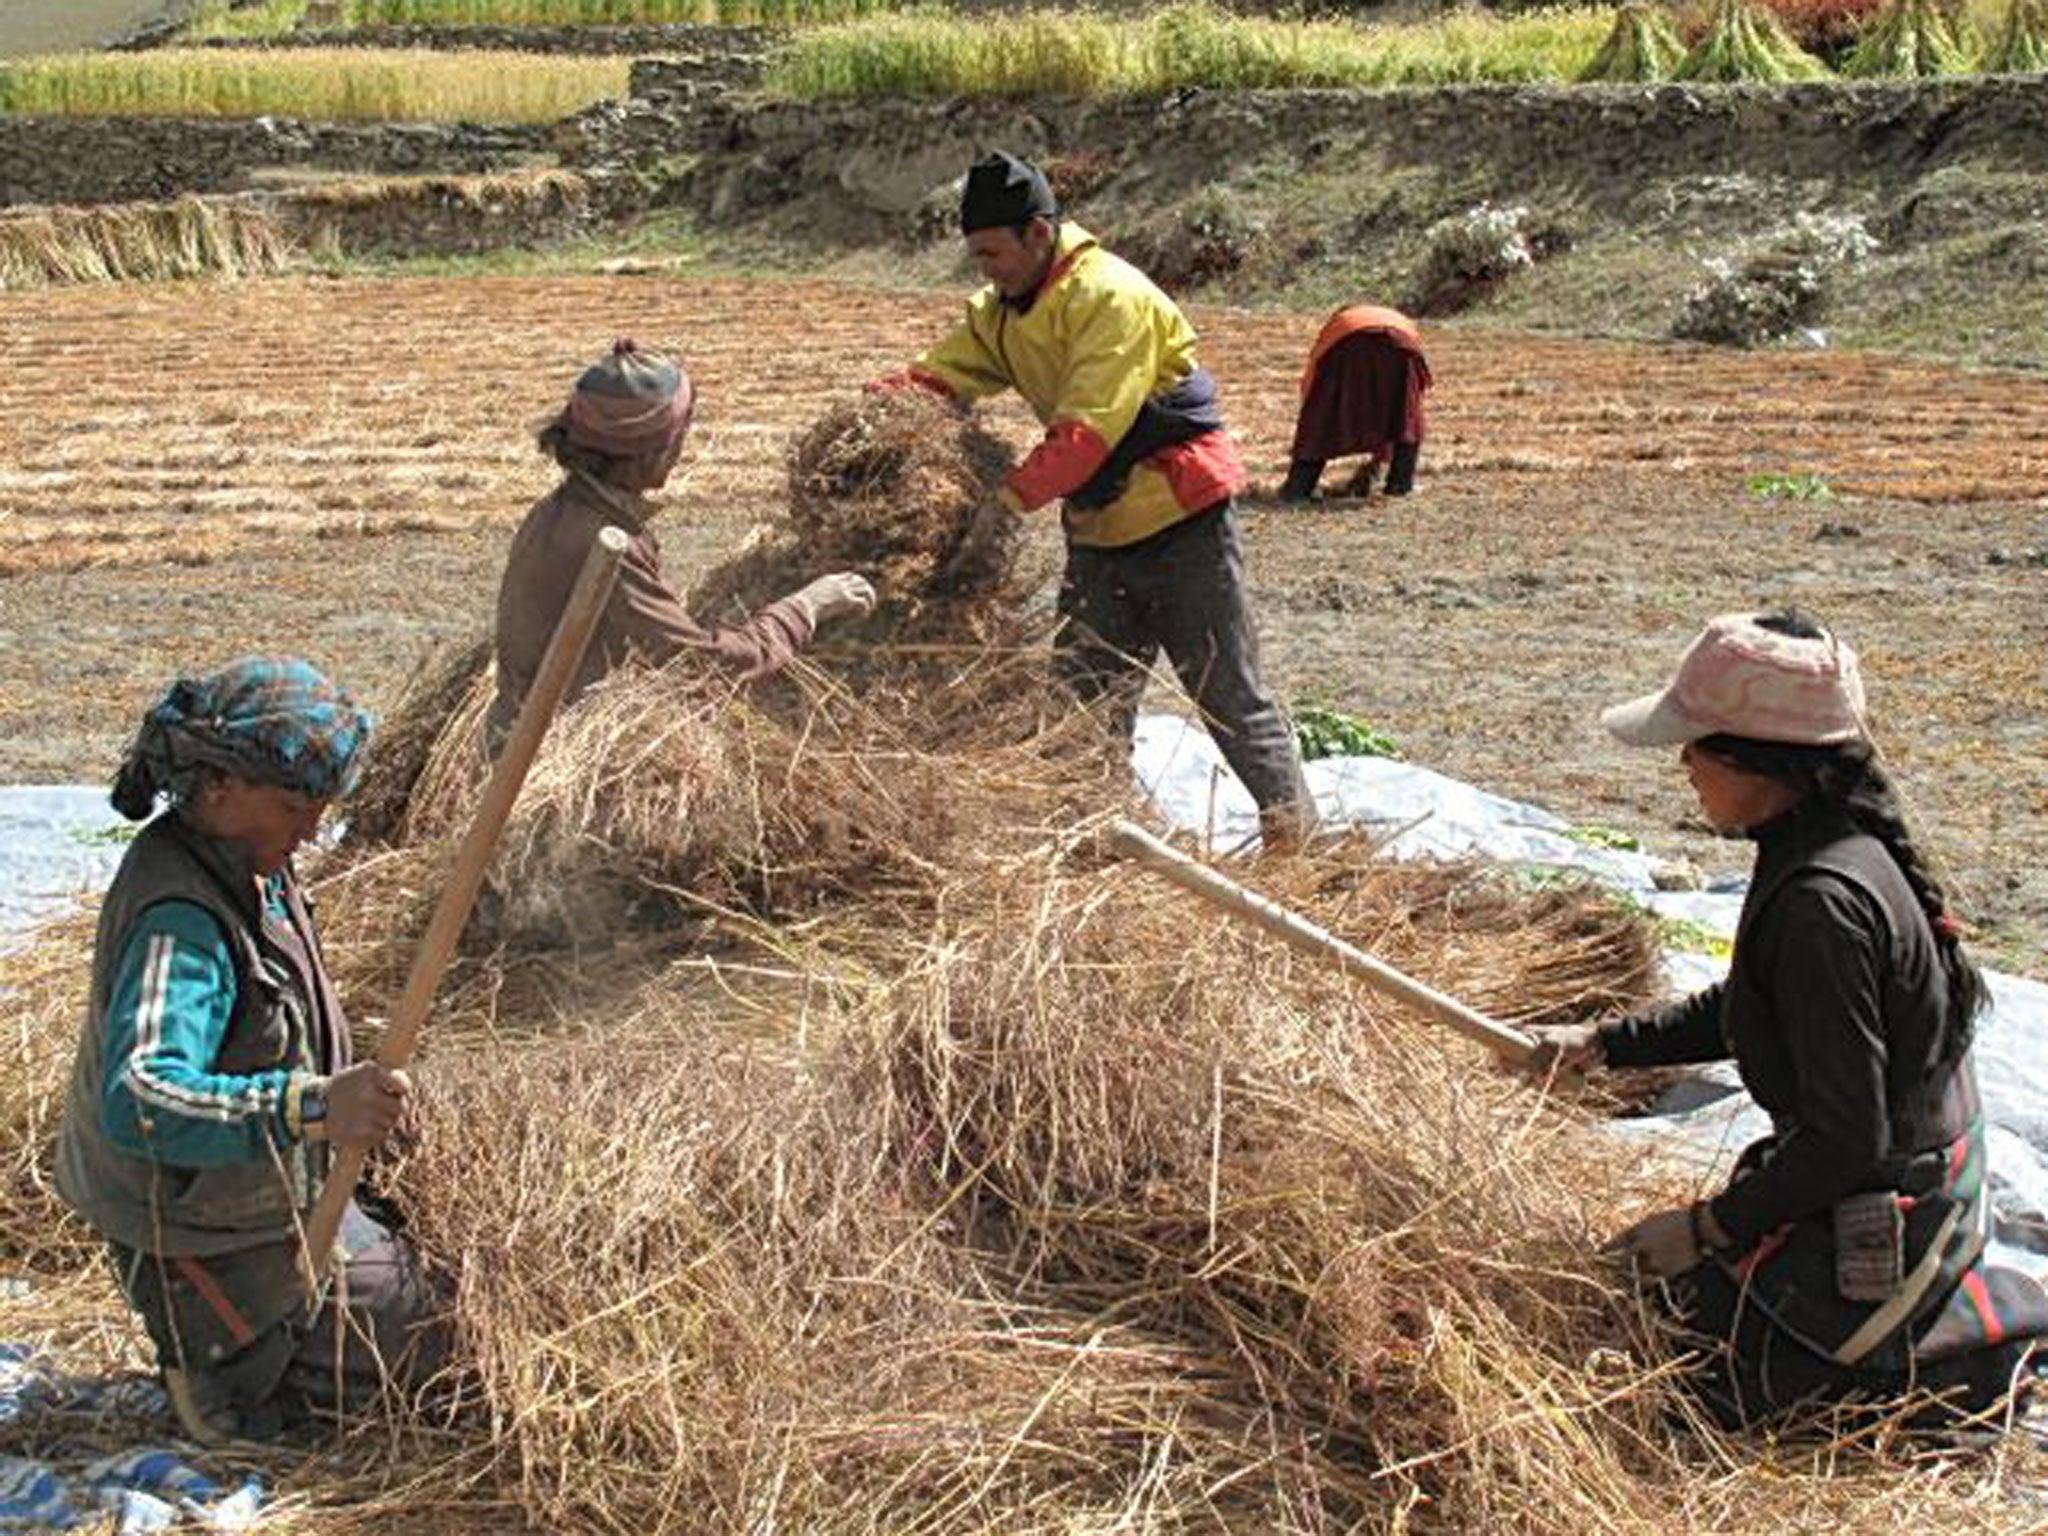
213 1074
1845 1258
1362 392
1135 452
618 438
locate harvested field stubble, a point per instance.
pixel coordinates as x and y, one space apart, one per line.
99 465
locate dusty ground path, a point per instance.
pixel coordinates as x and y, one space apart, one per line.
55 26
187 472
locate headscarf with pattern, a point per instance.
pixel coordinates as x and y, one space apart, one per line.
271 720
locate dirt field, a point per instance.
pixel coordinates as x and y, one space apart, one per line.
190 472
51 26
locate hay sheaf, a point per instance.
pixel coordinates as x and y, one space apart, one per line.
885 485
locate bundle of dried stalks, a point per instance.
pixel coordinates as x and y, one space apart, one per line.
43 985
441 692
668 795
885 485
191 237
701 1287
1379 1247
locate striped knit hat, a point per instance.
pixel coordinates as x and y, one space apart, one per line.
630 404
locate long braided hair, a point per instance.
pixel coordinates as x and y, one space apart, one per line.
1850 777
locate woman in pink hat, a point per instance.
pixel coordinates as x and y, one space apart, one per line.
1845 1257
618 439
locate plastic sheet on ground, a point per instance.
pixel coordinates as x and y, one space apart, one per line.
56 840
151 1488
1705 1119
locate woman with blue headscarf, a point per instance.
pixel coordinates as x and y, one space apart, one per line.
214 1074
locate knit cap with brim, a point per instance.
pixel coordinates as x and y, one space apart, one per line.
1003 192
1740 678
630 403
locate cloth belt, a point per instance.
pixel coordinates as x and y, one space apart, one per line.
1183 413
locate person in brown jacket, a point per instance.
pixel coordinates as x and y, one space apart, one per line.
618 438
1361 393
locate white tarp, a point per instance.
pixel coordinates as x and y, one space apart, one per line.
56 842
1705 1118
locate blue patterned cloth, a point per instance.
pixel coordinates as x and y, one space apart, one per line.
146 1489
271 720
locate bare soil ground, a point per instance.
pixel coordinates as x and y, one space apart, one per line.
41 26
332 467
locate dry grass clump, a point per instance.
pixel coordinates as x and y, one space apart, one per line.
1170 1122
886 485
43 987
704 1286
135 242
404 740
890 479
664 797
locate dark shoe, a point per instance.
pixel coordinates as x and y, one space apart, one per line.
1401 473
209 1415
1300 486
1360 483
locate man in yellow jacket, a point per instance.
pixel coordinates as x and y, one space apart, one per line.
1135 450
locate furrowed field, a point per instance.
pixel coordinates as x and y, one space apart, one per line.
335 466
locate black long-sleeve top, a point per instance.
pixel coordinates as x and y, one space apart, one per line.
1835 1009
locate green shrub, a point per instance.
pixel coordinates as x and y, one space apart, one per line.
1791 488
1321 731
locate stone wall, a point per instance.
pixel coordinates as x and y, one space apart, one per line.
437 215
109 160
887 156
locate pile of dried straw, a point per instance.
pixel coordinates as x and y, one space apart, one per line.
191 237
1067 1222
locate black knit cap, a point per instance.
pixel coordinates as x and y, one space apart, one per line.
1003 191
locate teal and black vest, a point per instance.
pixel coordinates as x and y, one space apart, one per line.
286 1017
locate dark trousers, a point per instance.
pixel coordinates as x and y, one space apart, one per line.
259 1356
1750 1369
1181 591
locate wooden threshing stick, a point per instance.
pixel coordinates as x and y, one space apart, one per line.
1505 1041
565 652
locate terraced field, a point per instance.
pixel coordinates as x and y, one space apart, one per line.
191 471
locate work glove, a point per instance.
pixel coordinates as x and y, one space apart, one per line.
1670 1242
1566 1050
841 594
977 559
